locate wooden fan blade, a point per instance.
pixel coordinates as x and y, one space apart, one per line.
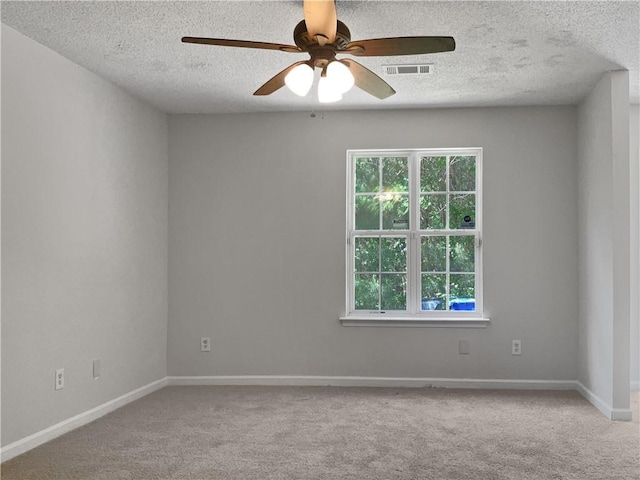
380 47
321 19
242 43
369 81
276 82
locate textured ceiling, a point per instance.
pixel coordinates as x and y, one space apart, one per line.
508 53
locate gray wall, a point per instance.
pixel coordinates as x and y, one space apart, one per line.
634 134
256 245
604 234
84 238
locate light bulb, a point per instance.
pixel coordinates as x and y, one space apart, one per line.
300 79
328 91
339 73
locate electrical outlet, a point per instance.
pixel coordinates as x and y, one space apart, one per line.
60 379
96 368
205 344
516 347
463 347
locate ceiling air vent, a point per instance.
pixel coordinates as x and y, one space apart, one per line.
424 69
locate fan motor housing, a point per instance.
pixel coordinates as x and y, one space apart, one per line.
304 40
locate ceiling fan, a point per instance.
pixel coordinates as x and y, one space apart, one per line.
323 36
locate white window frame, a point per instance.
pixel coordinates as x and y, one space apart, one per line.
413 315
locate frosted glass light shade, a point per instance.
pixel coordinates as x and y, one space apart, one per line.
328 91
338 73
300 79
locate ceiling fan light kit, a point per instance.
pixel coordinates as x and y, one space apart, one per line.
300 79
340 75
327 91
322 36
335 80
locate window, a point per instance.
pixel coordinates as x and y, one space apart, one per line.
414 235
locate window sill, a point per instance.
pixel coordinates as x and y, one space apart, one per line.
449 322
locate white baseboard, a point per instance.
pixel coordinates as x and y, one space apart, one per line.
300 380
622 414
23 445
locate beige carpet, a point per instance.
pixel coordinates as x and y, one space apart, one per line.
287 433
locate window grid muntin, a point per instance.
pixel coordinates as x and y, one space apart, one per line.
379 235
448 272
380 194
448 192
